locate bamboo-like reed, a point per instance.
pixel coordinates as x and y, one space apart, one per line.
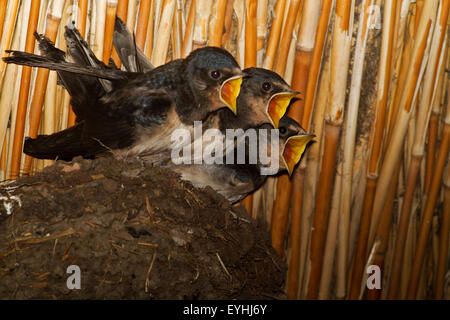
100 23
110 18
444 239
3 5
227 21
313 158
51 29
24 92
142 23
261 29
331 239
203 11
274 36
217 22
349 147
393 151
131 15
187 40
302 76
340 58
177 32
429 208
285 39
151 31
376 144
162 41
8 30
424 112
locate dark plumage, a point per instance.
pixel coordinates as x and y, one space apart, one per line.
136 112
132 58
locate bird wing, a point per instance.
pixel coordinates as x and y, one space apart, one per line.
133 59
127 120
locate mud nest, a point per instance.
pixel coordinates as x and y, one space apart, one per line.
135 232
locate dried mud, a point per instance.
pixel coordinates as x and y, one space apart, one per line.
135 232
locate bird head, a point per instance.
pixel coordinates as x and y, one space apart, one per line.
293 141
215 78
265 96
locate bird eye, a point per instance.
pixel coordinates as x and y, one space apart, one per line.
266 86
283 130
215 74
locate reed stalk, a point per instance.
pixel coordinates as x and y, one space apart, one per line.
376 140
425 106
382 233
165 26
444 240
3 5
418 58
8 31
51 29
307 37
274 36
217 21
261 29
110 18
131 15
100 22
23 94
290 63
177 33
349 146
429 208
239 14
187 40
314 152
340 58
142 23
203 11
151 31
331 240
285 39
227 22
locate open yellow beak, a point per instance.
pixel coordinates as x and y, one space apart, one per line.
278 105
229 92
293 150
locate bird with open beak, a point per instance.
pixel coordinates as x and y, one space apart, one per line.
140 110
236 181
264 98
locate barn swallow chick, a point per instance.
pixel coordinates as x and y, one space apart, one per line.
236 181
138 115
263 98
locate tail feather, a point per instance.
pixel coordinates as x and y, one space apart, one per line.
32 60
133 59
